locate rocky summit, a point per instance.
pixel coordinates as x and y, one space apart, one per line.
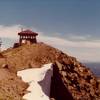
71 80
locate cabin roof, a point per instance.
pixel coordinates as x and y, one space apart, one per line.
27 32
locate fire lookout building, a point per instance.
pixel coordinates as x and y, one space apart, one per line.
27 37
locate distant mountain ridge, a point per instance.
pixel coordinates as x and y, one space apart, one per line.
95 67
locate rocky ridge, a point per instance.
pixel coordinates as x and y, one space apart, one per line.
71 79
11 86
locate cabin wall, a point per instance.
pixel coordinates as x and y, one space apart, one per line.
27 40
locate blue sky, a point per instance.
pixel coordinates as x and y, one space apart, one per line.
80 17
70 20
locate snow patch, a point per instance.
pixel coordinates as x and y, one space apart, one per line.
39 80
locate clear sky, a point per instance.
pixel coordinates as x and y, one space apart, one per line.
70 20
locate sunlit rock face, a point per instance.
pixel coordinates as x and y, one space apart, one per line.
39 80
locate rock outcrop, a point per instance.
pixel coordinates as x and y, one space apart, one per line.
71 79
74 82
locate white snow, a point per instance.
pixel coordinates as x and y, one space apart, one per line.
39 80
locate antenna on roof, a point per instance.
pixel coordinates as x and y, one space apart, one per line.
21 29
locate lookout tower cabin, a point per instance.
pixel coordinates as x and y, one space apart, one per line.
27 37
